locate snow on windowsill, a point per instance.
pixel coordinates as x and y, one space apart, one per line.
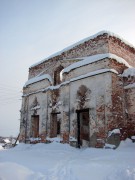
75 79
36 107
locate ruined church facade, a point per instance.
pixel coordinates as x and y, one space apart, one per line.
84 94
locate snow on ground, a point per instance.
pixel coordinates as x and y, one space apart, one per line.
6 140
57 161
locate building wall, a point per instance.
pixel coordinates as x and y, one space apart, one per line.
102 94
48 67
97 100
65 112
35 87
116 46
34 103
117 120
130 111
86 69
98 45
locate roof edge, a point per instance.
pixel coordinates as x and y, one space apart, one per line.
81 42
93 59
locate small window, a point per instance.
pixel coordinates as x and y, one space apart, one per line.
57 79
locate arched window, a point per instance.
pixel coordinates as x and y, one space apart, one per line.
57 79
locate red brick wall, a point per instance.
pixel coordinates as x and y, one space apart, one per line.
130 107
118 104
99 45
113 64
117 47
48 67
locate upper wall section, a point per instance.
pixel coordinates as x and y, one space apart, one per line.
100 43
49 67
122 49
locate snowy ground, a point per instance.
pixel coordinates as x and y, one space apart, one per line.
57 161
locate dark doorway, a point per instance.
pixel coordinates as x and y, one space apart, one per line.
55 125
82 126
58 127
35 126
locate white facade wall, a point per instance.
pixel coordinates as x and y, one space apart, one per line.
100 95
102 64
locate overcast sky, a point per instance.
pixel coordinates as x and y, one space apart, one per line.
31 30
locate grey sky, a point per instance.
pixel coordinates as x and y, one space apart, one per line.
31 30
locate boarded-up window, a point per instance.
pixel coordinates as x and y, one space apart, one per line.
35 126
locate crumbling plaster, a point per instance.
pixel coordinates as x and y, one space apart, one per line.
109 103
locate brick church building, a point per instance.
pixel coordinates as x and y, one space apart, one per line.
84 94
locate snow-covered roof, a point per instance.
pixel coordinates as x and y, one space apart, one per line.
130 86
129 72
97 72
100 71
94 58
93 73
38 78
82 41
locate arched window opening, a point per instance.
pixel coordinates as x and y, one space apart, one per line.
57 79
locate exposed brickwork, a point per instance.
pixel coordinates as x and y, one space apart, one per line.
113 64
118 104
95 104
128 80
101 125
130 107
98 45
49 67
42 138
116 46
65 137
